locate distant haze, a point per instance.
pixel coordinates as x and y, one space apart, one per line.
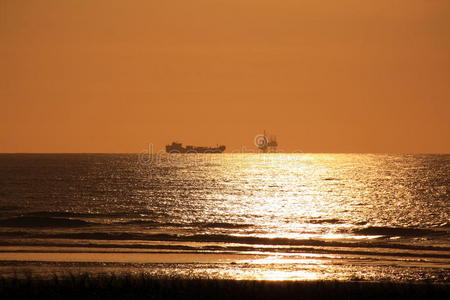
324 76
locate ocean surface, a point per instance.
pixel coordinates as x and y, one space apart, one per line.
242 216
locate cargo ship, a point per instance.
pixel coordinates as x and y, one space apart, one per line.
178 148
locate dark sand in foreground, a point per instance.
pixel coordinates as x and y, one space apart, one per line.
148 287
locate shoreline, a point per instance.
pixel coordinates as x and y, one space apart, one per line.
225 265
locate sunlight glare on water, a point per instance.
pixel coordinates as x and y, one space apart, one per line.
370 214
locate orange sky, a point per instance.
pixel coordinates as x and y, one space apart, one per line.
325 76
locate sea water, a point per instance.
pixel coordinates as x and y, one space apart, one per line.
242 216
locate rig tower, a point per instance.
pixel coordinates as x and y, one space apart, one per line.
267 144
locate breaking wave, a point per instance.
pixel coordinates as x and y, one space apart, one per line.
42 222
399 231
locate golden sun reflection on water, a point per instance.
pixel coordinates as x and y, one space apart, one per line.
274 274
278 259
286 275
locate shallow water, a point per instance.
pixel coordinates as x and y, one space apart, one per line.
264 216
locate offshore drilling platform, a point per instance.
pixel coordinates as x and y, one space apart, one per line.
266 144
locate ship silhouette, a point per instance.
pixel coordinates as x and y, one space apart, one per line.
178 148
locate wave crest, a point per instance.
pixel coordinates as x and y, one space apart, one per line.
40 222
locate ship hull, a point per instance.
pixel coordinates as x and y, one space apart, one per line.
193 150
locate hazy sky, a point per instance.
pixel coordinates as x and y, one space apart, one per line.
325 76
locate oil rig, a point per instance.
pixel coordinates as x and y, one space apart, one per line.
265 143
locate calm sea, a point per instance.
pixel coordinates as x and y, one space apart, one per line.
263 216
